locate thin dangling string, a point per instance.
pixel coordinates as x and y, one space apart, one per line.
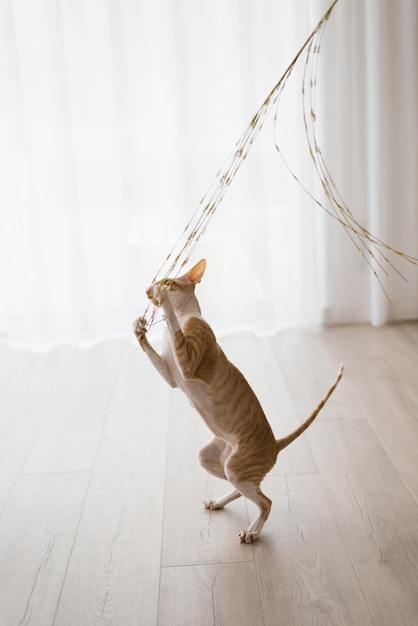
181 252
371 248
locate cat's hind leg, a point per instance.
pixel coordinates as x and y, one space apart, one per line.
254 493
251 490
212 505
213 457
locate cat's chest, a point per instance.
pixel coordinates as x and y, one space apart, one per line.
200 394
209 392
195 390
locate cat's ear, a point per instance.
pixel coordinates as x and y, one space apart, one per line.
195 274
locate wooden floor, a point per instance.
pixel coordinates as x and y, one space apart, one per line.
101 520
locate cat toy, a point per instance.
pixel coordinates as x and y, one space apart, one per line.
373 250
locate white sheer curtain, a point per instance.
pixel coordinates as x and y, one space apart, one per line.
115 116
370 104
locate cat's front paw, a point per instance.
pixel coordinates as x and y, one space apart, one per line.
140 328
247 536
212 505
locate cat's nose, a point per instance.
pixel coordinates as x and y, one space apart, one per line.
149 292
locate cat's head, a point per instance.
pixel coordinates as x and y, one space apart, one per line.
181 284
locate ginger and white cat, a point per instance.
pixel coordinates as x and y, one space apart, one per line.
244 448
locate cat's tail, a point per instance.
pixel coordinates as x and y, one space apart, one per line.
282 443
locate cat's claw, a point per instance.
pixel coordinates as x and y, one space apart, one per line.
212 505
246 536
140 329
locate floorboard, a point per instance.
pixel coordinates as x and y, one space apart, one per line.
114 571
382 370
69 438
305 572
101 514
32 387
210 594
376 515
37 531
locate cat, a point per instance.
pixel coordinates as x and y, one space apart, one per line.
244 448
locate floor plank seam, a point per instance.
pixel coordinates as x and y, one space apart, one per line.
164 499
341 533
392 461
35 436
91 472
70 554
207 563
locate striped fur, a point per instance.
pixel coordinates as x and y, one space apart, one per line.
244 448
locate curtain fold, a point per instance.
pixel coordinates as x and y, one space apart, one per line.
114 118
370 99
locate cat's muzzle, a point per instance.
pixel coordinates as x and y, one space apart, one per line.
155 294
